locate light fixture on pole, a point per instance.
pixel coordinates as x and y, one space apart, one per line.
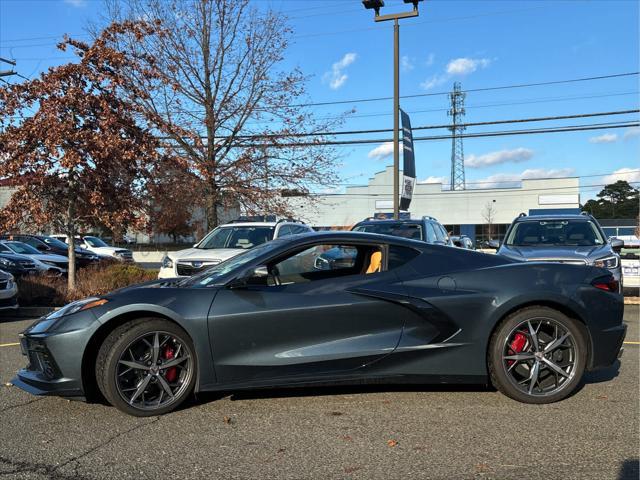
376 5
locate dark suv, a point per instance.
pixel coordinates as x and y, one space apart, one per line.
427 229
576 239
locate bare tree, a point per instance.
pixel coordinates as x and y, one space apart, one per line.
489 215
223 102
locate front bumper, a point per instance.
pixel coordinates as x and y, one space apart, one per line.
54 361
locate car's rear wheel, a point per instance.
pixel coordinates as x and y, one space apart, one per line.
537 355
146 367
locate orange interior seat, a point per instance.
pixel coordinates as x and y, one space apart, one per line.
375 262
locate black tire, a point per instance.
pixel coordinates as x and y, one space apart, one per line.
550 384
119 343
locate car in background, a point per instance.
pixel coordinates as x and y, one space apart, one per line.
17 265
227 241
426 229
573 239
50 264
462 241
8 291
51 245
99 247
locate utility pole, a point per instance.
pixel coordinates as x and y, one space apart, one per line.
376 5
6 73
457 128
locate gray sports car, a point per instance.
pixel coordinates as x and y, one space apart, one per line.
391 310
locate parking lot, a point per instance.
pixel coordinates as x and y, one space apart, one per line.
363 432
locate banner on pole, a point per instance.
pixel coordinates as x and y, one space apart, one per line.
409 163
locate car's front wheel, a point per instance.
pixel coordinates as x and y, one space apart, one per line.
537 355
146 367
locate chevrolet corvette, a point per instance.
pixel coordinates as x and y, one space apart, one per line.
332 308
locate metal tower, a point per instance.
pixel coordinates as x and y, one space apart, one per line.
457 128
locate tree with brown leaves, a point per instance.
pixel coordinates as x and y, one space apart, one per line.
71 144
223 102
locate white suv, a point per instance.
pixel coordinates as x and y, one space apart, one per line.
224 242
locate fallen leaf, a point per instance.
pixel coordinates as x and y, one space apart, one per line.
281 450
335 414
347 438
602 397
351 469
482 467
226 419
392 443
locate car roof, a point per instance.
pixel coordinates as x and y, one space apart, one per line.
348 236
534 218
389 221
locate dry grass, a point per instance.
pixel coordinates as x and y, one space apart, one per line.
98 280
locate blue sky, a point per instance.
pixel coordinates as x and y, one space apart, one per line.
478 43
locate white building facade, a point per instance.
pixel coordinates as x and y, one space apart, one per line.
468 212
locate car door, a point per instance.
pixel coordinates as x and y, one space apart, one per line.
331 322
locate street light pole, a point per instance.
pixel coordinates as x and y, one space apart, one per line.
376 5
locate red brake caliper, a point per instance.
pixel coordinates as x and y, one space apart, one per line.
171 372
517 345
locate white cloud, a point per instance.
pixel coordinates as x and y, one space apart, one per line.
515 155
430 59
381 151
464 66
76 3
432 179
336 76
455 67
434 81
631 132
406 63
604 138
512 180
631 175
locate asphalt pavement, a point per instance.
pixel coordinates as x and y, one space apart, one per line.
364 432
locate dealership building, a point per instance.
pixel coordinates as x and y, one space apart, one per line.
467 212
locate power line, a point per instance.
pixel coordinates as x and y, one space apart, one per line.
470 90
431 127
477 192
500 181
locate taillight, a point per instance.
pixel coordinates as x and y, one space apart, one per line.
607 283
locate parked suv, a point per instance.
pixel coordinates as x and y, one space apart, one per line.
224 242
577 239
426 229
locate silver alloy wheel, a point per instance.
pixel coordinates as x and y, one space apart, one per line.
154 370
539 356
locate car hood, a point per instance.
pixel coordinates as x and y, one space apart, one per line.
587 253
50 258
14 256
108 250
202 254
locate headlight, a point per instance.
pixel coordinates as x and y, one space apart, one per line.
607 262
7 262
167 262
78 306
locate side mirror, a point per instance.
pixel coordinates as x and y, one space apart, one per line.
616 244
495 244
249 277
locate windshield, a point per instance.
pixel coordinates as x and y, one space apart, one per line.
55 242
95 242
406 230
22 248
573 233
212 274
236 237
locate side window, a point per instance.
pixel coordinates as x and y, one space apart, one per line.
325 261
284 231
441 235
5 249
30 241
300 229
444 232
398 256
431 234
